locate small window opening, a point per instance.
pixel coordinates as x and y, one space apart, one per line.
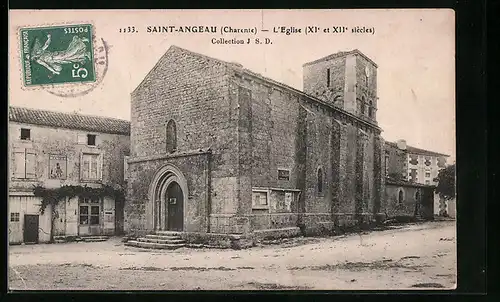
91 139
171 138
25 134
14 217
400 197
328 77
320 180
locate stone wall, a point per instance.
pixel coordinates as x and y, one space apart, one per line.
366 87
406 207
263 136
194 92
67 145
397 162
315 80
46 141
139 206
207 107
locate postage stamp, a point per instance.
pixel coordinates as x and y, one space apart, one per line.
57 55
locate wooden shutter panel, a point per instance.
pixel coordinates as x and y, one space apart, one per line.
100 166
81 139
18 163
31 163
81 166
125 167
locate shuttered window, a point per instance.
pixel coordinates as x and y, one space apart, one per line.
19 164
30 164
125 167
91 166
24 163
81 139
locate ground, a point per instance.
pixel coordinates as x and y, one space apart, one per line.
403 257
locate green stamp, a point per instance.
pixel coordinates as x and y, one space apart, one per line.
57 55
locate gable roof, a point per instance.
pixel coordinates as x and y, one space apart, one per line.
239 69
69 120
415 150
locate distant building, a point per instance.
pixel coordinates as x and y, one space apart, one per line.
53 149
413 164
409 168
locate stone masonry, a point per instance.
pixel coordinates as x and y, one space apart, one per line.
255 154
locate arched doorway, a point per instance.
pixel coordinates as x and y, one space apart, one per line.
175 207
167 199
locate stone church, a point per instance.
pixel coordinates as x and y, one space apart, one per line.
217 148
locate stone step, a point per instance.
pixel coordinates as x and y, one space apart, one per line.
162 237
163 241
150 245
168 233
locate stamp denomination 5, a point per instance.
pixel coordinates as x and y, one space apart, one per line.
57 55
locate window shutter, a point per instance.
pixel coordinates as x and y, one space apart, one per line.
125 167
81 139
31 163
18 163
99 166
81 166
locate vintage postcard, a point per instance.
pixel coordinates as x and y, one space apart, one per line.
232 150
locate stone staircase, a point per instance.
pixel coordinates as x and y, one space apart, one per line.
163 240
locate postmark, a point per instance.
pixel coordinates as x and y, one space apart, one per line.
57 55
66 60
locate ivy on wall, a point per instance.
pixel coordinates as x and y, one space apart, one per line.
52 197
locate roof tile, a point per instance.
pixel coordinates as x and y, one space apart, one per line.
416 150
69 120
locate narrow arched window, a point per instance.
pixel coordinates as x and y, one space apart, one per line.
171 138
363 106
320 181
370 109
400 196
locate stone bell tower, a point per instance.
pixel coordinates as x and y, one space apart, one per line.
347 80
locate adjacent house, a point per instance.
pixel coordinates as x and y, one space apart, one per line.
407 199
413 164
52 150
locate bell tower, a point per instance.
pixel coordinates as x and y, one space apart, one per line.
347 80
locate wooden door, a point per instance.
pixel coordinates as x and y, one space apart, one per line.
175 205
31 228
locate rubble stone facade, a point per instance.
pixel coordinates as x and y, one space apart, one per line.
251 154
52 150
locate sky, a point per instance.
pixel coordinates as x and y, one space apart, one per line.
414 51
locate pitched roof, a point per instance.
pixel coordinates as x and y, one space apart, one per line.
69 120
415 150
238 68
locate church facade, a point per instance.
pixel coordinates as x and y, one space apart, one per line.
217 148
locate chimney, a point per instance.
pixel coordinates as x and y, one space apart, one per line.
401 143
